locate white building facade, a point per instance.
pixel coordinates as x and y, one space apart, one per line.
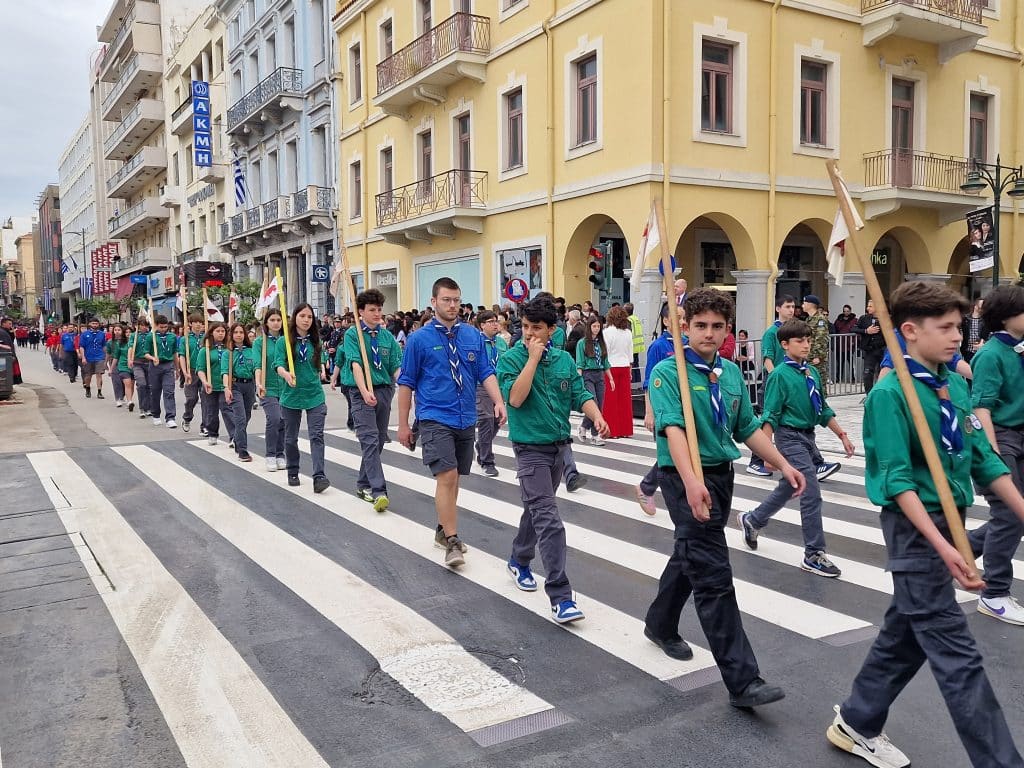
76 180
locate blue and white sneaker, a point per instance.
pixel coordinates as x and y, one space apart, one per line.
523 576
749 531
758 469
566 612
826 470
818 563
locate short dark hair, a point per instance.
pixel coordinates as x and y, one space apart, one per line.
628 306
195 318
1000 305
160 319
917 300
784 299
793 329
369 296
540 310
484 315
446 283
708 300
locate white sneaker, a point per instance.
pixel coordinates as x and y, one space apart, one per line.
1003 608
583 436
157 421
597 440
878 751
211 440
282 463
271 464
172 424
119 404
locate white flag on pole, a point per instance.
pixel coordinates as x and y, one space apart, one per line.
648 244
837 240
269 296
213 313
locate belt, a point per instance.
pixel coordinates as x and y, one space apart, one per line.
724 468
808 431
242 381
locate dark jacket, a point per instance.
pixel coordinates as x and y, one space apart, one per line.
870 343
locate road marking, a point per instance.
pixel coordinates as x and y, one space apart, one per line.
218 710
605 627
422 658
791 613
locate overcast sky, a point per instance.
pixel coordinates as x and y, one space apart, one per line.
44 66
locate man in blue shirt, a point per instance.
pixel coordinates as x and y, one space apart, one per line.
93 357
443 363
67 342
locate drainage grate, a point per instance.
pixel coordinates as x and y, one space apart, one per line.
851 636
695 680
521 726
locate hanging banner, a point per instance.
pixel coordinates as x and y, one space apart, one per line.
981 240
102 258
202 128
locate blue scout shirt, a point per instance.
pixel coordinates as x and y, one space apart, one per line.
92 343
427 371
67 340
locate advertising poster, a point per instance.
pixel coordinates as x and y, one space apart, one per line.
981 239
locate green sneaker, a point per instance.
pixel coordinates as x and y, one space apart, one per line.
380 503
365 495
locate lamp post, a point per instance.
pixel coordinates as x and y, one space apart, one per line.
999 179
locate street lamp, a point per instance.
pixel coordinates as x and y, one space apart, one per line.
999 179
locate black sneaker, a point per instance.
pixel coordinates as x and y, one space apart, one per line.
819 564
99 394
131 407
758 692
749 531
575 482
293 480
676 649
491 471
244 456
320 484
185 426
440 540
88 391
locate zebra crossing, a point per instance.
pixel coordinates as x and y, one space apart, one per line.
376 582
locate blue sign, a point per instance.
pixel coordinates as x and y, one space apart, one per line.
139 279
321 273
201 124
661 266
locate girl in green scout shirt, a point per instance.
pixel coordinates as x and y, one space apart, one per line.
700 511
593 365
303 390
213 385
339 365
239 388
192 340
138 343
162 372
117 365
268 389
486 424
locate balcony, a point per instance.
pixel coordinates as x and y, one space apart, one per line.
895 179
422 71
181 118
211 174
146 260
137 172
207 252
137 126
106 31
138 218
139 32
312 201
285 217
433 207
267 102
141 73
955 26
170 196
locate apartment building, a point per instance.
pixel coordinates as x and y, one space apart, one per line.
11 276
279 126
25 283
488 140
48 249
76 181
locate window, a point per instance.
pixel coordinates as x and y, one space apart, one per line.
426 21
426 155
355 83
586 100
813 102
507 4
978 141
514 129
387 170
387 39
188 164
716 87
356 190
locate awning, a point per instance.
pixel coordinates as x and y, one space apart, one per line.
124 288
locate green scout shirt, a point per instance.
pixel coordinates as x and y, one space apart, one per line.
543 417
495 347
590 363
390 357
339 359
118 351
787 402
716 443
216 376
558 337
770 347
166 345
895 461
271 381
242 365
143 345
308 391
194 341
998 384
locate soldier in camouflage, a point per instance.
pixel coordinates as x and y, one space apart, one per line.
818 321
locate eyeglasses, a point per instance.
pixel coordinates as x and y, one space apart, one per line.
448 300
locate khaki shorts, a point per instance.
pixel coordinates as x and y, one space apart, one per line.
89 369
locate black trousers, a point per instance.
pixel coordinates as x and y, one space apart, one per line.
699 565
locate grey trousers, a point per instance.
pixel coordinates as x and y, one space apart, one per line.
161 382
538 469
140 372
799 449
211 413
192 397
569 470
118 384
237 412
274 426
486 428
650 482
315 418
594 381
997 539
371 424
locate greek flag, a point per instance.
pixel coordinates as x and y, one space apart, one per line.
240 194
85 287
64 268
47 302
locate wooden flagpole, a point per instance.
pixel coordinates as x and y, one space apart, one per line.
188 329
284 322
263 328
152 320
690 433
206 323
231 355
924 435
359 323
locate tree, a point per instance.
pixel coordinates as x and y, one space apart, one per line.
100 308
248 292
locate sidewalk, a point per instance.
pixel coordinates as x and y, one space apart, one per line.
850 415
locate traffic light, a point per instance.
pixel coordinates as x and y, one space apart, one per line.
600 266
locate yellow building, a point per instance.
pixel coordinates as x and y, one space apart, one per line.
27 282
484 140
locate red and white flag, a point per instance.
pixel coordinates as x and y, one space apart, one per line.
232 305
268 296
213 313
840 231
648 245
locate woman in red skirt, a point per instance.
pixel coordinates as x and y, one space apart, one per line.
618 402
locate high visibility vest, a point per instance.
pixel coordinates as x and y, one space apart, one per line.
638 334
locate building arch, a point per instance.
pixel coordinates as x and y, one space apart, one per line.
802 259
592 231
713 246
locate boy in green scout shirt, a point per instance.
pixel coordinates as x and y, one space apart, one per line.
162 372
700 511
486 423
794 404
541 385
138 342
924 621
771 356
998 400
371 407
192 342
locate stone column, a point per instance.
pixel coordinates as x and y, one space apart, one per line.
852 292
647 301
751 301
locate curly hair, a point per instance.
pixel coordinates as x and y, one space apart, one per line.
709 300
617 316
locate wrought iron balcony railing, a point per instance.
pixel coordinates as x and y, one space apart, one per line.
915 170
281 81
276 209
461 32
312 198
452 189
225 230
961 10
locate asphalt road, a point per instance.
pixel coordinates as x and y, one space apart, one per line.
163 605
